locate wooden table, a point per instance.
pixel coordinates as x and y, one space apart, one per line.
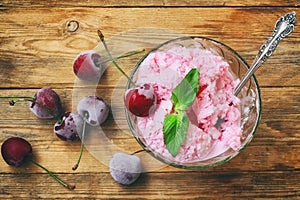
39 40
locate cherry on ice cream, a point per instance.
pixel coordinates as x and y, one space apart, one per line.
141 101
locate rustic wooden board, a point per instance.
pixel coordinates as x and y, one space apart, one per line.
189 185
276 139
37 48
43 46
145 3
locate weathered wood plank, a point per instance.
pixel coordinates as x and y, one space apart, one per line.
280 103
267 151
40 50
187 185
277 137
37 48
144 3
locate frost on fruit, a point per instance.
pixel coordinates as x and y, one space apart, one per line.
88 66
124 168
96 108
69 127
46 104
141 101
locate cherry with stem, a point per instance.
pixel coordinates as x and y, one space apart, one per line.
16 151
70 187
89 65
82 141
94 111
30 99
45 104
140 101
17 99
101 36
122 56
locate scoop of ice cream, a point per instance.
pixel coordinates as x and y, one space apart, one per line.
214 115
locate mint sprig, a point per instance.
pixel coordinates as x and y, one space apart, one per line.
184 94
176 124
175 128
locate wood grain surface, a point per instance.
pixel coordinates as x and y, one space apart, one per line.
38 43
147 3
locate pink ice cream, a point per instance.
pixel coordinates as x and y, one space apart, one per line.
214 115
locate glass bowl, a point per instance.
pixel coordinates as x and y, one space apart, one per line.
250 103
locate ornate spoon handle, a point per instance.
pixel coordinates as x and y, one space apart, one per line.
284 26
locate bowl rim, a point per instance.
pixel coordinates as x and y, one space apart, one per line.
189 166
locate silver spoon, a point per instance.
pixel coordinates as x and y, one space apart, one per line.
283 27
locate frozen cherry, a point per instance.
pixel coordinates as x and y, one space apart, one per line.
96 108
44 104
16 151
90 66
87 66
124 168
82 141
69 127
141 101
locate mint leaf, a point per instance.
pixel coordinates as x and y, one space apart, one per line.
176 124
185 92
174 129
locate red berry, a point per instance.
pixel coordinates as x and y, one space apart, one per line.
141 101
87 66
46 104
15 151
69 127
96 108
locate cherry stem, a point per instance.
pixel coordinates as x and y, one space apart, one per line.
31 99
70 187
20 98
122 56
139 151
82 142
13 97
101 36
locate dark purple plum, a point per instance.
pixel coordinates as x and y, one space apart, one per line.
96 108
46 104
124 168
16 151
69 127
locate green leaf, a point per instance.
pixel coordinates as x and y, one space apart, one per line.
174 129
176 124
185 92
